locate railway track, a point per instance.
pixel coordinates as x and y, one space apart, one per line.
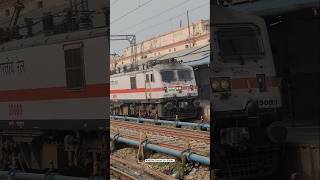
174 138
196 124
117 173
169 131
126 170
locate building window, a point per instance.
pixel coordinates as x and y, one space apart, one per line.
133 82
187 46
147 77
74 66
40 4
7 12
151 77
174 49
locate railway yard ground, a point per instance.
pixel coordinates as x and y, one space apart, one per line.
124 157
301 153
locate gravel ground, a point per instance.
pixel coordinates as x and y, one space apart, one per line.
201 172
190 172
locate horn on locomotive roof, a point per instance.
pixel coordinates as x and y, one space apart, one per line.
144 66
164 61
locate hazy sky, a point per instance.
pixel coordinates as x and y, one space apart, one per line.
156 20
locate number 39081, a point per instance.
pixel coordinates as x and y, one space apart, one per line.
267 102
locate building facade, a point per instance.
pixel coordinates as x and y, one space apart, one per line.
197 34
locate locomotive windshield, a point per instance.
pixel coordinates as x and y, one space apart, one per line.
184 75
168 76
175 75
239 40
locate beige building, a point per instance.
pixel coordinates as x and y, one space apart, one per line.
170 42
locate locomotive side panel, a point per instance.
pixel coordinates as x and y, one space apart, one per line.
44 86
133 86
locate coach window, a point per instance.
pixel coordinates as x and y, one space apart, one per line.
74 66
133 82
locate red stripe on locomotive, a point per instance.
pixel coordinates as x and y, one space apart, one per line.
55 93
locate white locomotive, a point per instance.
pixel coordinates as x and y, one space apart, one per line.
243 79
245 97
157 88
53 101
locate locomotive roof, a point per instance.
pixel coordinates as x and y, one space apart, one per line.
191 55
194 56
158 65
227 15
52 39
272 7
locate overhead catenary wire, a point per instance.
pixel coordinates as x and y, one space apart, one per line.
167 20
131 11
156 15
186 54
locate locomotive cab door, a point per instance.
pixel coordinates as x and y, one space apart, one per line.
148 84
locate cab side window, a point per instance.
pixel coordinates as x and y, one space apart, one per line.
74 66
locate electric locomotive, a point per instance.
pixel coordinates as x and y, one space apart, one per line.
54 99
245 97
157 88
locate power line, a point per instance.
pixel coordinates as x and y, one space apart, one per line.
174 17
146 19
131 11
188 53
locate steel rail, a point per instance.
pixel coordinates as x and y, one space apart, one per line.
204 126
124 176
16 175
158 175
189 135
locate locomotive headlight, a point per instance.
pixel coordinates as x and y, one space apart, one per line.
220 84
225 84
215 85
179 89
